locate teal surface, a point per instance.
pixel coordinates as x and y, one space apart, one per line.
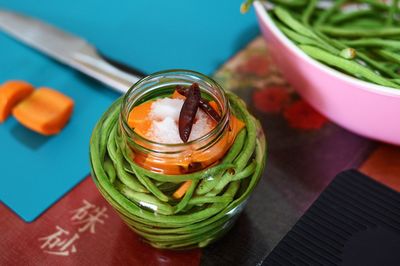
149 35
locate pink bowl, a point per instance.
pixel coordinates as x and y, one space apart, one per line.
367 109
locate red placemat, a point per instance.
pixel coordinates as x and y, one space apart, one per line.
80 229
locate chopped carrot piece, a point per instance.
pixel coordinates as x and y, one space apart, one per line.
11 93
182 189
175 166
140 121
169 167
218 150
214 105
177 95
143 127
237 124
139 118
45 111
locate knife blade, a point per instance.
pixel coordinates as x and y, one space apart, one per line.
67 48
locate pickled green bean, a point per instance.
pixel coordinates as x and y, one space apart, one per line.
146 200
129 180
151 187
206 199
208 184
242 160
246 172
110 170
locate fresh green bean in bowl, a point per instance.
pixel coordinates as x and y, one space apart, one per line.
360 38
151 202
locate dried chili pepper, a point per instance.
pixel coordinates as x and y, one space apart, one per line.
188 111
203 104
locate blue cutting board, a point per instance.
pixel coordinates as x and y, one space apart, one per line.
149 35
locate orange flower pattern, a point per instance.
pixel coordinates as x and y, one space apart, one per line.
271 99
301 115
255 65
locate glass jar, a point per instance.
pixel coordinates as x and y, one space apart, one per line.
216 172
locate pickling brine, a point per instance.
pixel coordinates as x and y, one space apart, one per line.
177 157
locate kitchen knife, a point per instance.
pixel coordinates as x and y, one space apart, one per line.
68 49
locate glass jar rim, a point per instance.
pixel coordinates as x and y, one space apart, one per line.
179 72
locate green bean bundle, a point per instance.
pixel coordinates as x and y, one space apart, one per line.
362 42
144 199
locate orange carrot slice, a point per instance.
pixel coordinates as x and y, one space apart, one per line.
182 190
11 93
237 124
218 150
175 166
139 118
169 167
140 121
177 95
214 105
45 111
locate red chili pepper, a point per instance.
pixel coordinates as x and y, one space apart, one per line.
203 104
188 111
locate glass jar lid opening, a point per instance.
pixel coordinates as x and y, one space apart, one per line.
162 84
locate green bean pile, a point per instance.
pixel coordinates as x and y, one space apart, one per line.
144 198
364 42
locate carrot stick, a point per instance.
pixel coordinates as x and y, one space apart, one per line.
177 95
214 105
139 118
11 93
45 111
182 189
